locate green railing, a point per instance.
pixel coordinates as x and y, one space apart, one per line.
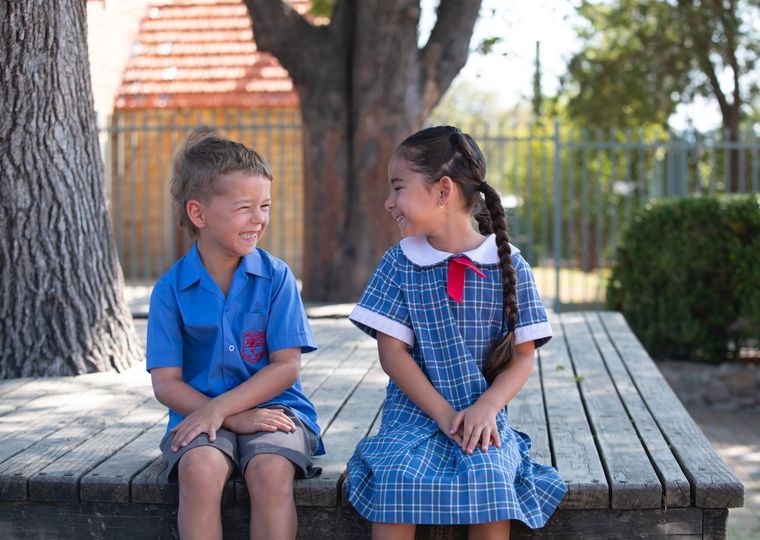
567 192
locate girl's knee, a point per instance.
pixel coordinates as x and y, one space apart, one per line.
269 476
203 471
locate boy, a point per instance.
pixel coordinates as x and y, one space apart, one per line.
225 335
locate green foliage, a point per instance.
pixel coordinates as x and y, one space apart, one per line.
687 276
322 8
641 58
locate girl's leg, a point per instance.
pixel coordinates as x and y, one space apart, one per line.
393 531
269 478
202 472
489 531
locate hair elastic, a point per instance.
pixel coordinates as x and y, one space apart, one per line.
482 186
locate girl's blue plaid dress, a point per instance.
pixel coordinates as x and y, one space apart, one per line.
411 472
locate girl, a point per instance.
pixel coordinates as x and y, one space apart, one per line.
457 320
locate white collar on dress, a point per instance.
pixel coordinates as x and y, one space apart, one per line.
418 250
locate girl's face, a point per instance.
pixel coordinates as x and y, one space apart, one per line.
230 225
412 202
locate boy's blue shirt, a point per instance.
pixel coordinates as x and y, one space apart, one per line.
221 342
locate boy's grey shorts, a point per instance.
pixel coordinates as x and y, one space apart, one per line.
297 446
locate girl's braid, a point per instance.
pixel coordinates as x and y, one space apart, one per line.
491 220
503 350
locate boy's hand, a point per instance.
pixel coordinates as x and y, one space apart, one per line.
205 420
477 425
260 419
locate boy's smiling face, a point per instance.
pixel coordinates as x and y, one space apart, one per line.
231 224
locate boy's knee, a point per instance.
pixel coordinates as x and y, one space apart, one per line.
204 471
269 476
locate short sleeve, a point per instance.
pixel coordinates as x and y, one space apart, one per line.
532 322
164 330
382 307
288 325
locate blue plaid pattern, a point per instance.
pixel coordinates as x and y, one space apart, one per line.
411 472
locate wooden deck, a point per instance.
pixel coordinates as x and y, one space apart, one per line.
79 455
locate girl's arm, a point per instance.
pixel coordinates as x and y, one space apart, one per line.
401 367
478 422
204 415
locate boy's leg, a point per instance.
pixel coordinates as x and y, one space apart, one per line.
270 461
488 531
393 531
269 478
203 472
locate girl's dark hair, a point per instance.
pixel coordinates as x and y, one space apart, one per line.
446 151
199 165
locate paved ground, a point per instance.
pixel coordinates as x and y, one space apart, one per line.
734 434
736 437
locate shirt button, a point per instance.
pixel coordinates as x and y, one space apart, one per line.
231 348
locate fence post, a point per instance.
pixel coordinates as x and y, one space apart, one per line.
557 215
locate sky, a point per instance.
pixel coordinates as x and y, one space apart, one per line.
509 69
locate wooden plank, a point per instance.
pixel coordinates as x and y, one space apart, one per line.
713 484
714 523
330 397
321 369
632 480
6 385
109 521
15 471
329 334
574 453
346 406
150 486
675 484
110 481
342 436
526 413
59 481
41 394
44 415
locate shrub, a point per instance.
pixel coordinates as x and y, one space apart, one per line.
687 276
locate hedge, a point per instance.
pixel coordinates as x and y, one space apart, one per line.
687 276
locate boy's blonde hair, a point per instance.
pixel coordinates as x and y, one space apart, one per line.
199 166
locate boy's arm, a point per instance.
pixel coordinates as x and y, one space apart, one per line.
401 367
280 374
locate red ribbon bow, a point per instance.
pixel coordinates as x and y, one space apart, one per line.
457 268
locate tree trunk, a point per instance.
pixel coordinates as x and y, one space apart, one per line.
62 310
364 85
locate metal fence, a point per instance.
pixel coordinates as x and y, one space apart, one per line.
138 149
568 193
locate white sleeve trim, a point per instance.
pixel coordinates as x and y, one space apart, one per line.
382 324
533 332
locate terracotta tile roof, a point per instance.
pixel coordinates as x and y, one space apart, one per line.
201 53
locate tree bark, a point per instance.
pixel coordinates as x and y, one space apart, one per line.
364 85
62 310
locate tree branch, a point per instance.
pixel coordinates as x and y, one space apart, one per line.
702 53
446 51
728 18
297 44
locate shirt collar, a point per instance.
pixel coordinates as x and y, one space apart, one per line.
418 250
194 271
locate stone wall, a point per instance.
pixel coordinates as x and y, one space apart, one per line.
725 386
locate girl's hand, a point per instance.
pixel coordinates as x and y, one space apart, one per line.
446 421
205 420
477 425
259 419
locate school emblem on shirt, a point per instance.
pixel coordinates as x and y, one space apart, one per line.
254 346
